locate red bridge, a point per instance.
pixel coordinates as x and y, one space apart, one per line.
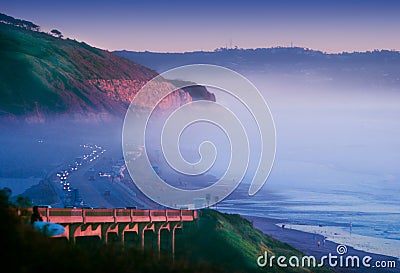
101 222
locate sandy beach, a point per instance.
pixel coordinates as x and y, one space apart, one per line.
308 244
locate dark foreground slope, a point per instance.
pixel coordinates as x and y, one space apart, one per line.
230 241
24 250
215 243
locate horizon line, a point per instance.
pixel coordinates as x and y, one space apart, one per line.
253 48
233 48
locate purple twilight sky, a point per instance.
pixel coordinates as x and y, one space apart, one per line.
178 26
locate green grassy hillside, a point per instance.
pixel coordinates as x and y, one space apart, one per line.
216 242
232 242
43 73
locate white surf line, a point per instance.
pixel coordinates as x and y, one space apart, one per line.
337 235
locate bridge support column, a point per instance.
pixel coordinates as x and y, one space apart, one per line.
127 227
106 229
149 226
160 227
81 230
71 230
174 227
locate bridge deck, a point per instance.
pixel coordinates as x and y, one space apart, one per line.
66 215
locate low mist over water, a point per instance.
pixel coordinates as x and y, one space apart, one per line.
337 154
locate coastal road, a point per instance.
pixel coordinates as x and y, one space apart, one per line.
95 191
102 191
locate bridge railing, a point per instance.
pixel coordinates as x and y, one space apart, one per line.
74 215
174 215
59 215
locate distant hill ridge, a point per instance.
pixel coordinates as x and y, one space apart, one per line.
43 75
378 68
262 56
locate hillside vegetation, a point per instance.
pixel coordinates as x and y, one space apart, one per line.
216 242
42 73
230 241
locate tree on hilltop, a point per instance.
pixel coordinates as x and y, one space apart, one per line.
18 22
56 33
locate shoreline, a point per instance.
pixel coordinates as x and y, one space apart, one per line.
360 242
308 244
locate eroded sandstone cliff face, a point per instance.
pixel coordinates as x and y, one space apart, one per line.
43 77
124 91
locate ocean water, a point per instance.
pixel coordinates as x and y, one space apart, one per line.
368 215
370 210
337 162
367 219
